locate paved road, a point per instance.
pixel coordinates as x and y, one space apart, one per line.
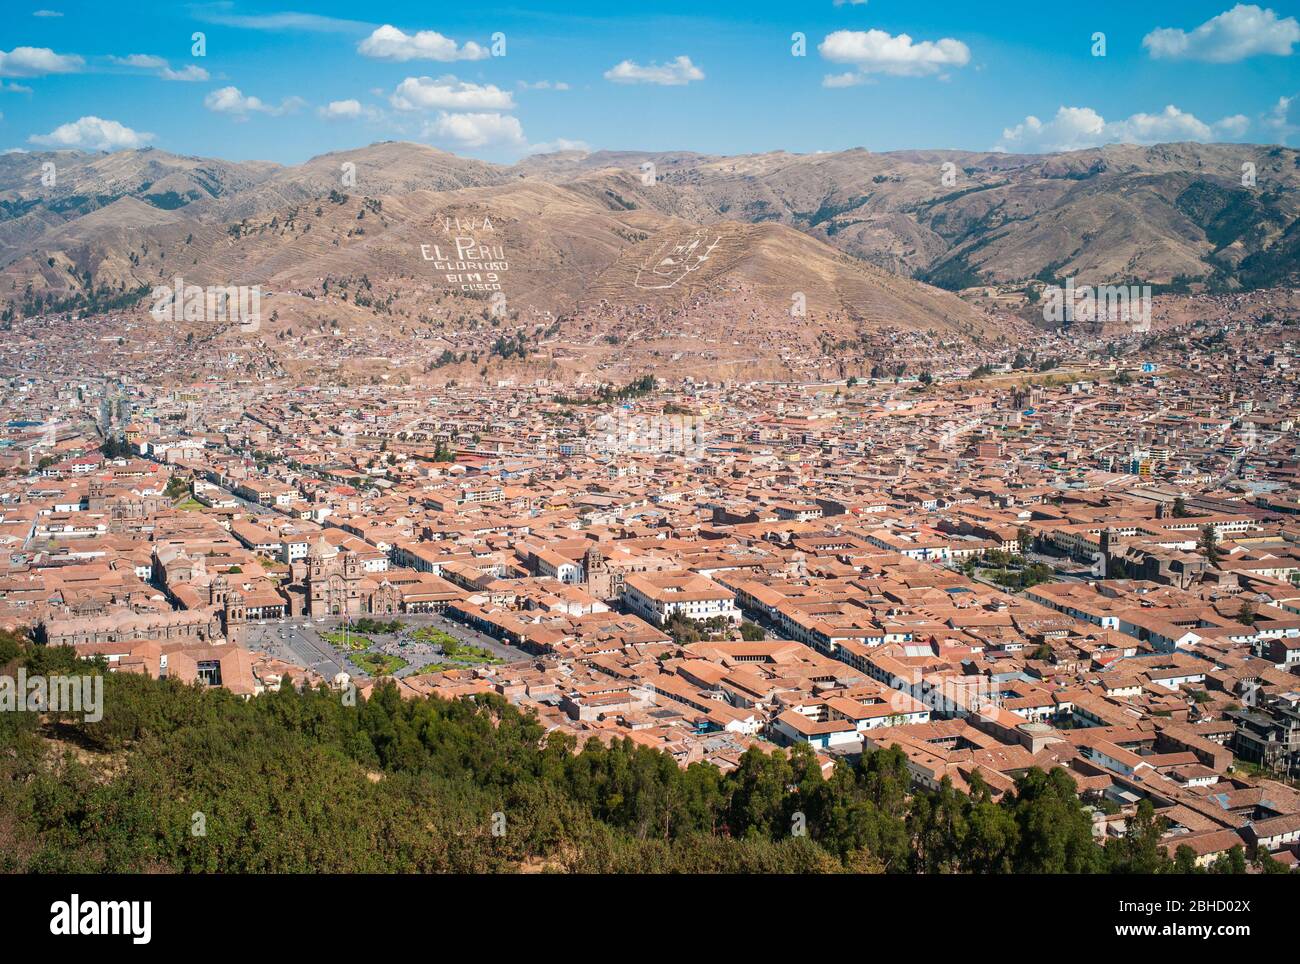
256 508
1233 471
1081 571
298 642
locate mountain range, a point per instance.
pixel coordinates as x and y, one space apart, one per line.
786 252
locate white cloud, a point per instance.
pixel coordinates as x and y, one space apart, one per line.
543 85
341 109
231 100
851 3
46 13
311 22
1171 124
557 145
1244 31
477 130
147 61
37 61
1229 127
14 88
190 72
350 109
847 79
1278 119
93 133
1076 128
877 52
675 73
1072 128
425 93
389 43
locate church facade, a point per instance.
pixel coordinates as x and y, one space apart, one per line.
338 585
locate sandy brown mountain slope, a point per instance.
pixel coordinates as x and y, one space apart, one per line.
960 218
553 250
763 260
1161 214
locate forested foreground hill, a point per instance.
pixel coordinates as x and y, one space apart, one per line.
299 782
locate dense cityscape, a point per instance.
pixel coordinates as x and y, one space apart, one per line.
1090 568
792 456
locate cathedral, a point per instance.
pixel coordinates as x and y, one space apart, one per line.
338 585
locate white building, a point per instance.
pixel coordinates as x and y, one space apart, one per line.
657 597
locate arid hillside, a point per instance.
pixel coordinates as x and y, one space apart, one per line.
413 257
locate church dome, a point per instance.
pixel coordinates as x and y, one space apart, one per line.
320 550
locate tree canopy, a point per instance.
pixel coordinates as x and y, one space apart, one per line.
308 781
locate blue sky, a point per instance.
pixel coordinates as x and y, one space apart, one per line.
286 82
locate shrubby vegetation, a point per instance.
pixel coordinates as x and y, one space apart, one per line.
607 393
300 782
685 630
87 302
368 624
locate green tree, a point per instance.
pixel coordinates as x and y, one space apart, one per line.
992 833
1209 544
1140 851
1054 832
1247 614
1185 860
1233 862
759 804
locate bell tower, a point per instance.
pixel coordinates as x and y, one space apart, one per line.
234 615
